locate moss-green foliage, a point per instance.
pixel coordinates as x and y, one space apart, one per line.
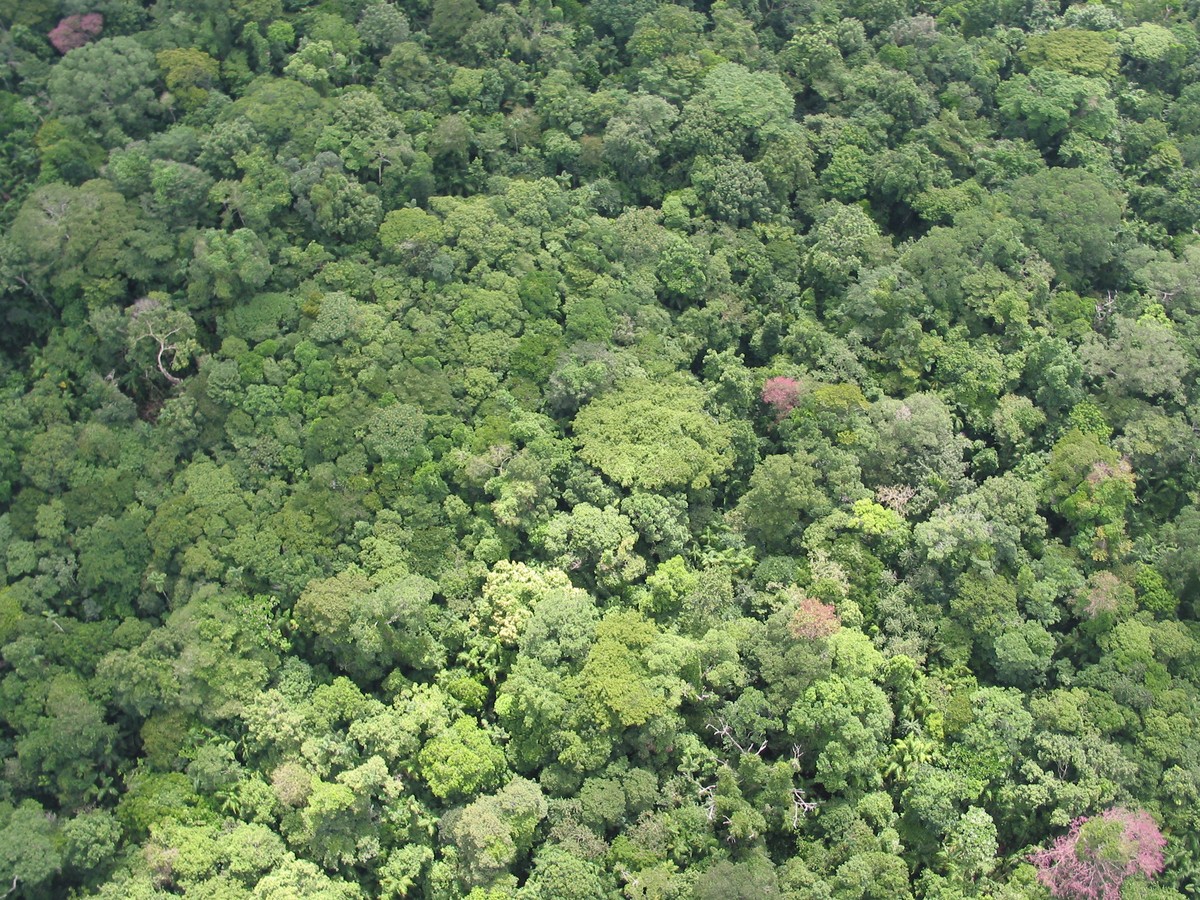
1072 50
599 449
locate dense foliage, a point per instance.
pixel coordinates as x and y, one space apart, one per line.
599 449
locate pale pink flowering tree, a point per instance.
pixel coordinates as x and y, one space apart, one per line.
781 394
814 620
1093 859
75 31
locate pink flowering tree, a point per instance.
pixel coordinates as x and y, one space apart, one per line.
814 620
1093 859
781 394
75 31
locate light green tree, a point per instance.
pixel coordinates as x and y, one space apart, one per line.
654 435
